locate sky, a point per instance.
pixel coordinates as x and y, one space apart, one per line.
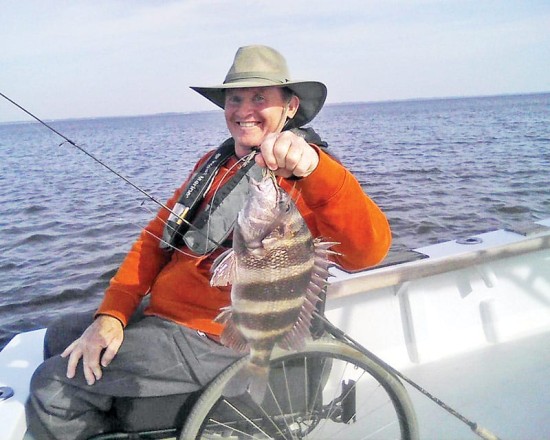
77 58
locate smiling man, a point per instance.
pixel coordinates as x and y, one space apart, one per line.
171 346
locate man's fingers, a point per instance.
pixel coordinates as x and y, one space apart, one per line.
294 158
306 164
89 375
267 152
69 349
287 155
73 362
110 352
281 149
92 369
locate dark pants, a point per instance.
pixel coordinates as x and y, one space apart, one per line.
157 358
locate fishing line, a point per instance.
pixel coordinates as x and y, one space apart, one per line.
339 334
90 155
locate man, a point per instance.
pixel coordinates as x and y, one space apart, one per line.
172 348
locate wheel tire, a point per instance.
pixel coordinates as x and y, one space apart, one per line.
387 404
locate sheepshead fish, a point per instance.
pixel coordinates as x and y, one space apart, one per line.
277 271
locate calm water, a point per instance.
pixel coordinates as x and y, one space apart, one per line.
441 170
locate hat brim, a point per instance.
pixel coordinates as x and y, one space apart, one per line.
312 96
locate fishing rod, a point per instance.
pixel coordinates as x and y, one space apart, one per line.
112 170
340 334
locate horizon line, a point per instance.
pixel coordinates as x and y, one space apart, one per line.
176 113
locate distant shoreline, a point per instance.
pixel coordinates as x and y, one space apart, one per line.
329 104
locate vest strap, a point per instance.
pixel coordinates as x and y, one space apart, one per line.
185 208
215 222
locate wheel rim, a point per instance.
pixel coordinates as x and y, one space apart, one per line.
316 395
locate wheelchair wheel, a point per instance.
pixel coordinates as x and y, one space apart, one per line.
327 391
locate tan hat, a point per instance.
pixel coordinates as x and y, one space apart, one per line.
262 66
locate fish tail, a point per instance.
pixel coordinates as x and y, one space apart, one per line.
252 378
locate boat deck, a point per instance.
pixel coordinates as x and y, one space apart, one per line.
503 388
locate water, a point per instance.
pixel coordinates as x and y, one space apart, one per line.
440 169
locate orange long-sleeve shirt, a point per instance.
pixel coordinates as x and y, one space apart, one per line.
333 205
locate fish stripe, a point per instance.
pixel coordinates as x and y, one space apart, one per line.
253 274
259 307
253 335
298 239
281 253
268 321
284 289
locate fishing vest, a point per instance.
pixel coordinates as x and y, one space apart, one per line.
203 230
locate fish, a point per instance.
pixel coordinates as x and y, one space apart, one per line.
277 272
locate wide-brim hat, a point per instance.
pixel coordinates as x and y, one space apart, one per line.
262 66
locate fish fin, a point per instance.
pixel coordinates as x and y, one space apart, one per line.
296 337
224 315
231 337
223 269
322 248
251 378
322 262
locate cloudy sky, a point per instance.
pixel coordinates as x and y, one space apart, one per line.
77 58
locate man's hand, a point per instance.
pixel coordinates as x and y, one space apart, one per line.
106 332
287 154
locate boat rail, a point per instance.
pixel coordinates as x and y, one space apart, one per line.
395 275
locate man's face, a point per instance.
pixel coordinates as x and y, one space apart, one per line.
252 113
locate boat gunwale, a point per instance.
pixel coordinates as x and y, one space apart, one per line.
350 283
